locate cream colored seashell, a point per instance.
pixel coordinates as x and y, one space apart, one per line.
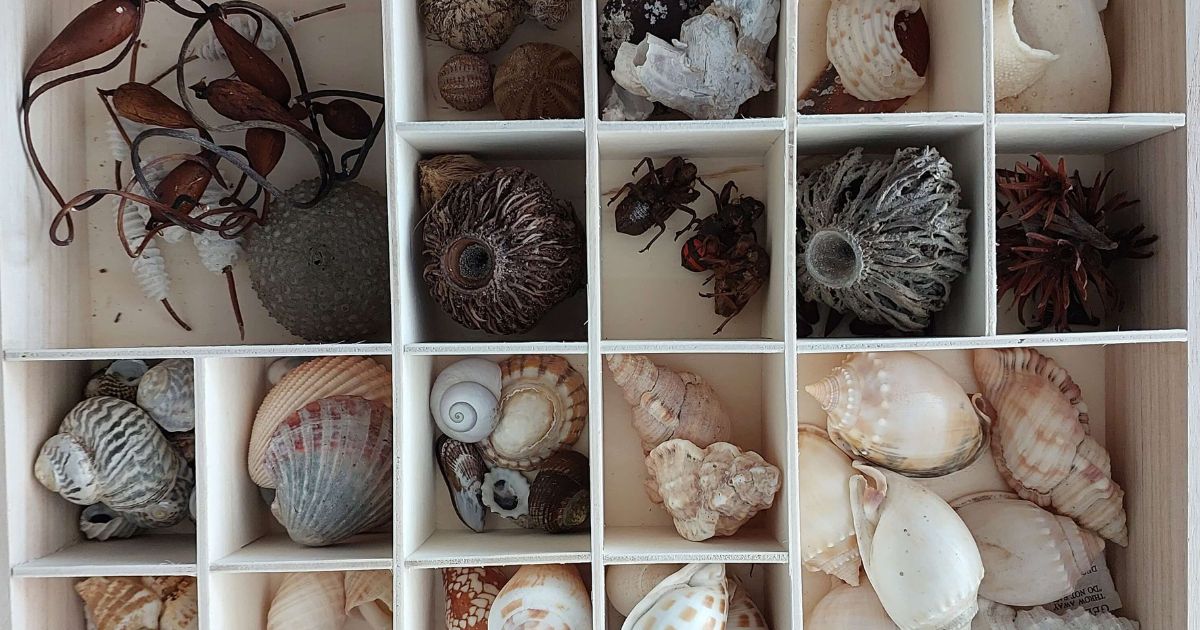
319 378
1030 556
901 411
628 584
667 404
308 600
369 596
542 597
279 368
743 612
994 616
543 408
1018 65
696 596
119 603
1080 80
168 393
712 491
464 399
918 553
827 541
181 601
863 47
845 607
1040 441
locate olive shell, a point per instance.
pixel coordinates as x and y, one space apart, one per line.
477 26
465 82
540 80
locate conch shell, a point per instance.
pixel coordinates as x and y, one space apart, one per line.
1041 444
918 553
470 592
308 600
1018 65
464 399
369 595
862 45
628 584
119 603
542 596
669 405
845 607
696 596
712 491
1030 556
827 539
543 409
901 411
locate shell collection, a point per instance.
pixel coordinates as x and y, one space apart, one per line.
134 603
119 461
692 596
329 599
507 432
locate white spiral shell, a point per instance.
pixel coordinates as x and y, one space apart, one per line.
464 399
543 596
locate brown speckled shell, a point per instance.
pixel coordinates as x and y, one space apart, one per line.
477 26
540 80
559 498
465 82
470 592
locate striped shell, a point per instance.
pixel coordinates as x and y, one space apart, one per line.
463 470
331 465
100 522
668 404
167 393
477 26
542 597
109 451
119 603
169 510
119 380
539 80
314 380
308 600
369 595
560 497
465 82
696 596
470 592
543 409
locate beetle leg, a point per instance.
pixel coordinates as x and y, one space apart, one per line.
709 188
695 220
646 160
622 189
662 227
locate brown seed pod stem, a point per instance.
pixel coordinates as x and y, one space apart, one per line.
233 301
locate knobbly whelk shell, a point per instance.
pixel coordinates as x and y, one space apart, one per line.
827 539
543 409
369 596
696 596
628 584
465 82
119 380
539 80
119 603
560 496
464 399
542 596
308 600
863 47
463 470
668 404
470 592
167 392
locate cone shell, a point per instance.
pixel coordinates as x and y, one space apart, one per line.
119 603
712 491
543 409
1030 556
539 80
560 496
827 539
369 595
316 379
1041 444
845 607
308 600
628 584
918 553
668 404
696 596
1018 65
743 612
542 597
332 460
167 392
470 592
901 411
463 470
100 522
863 46
465 398
119 380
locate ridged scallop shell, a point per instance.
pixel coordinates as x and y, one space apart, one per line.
167 392
542 597
470 592
743 612
901 411
463 470
1041 444
313 380
918 553
543 409
279 368
668 404
628 584
369 596
181 601
1018 65
109 451
465 82
464 400
712 491
539 80
845 607
862 45
100 522
308 600
696 596
332 462
119 380
560 496
119 603
506 492
827 541
1030 556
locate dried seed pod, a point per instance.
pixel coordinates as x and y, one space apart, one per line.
147 106
251 64
540 80
465 82
437 174
264 149
97 30
188 180
240 101
345 118
477 26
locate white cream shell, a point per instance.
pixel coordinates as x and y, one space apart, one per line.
628 584
863 47
827 541
464 397
698 591
847 607
542 596
369 596
308 600
1018 65
1080 81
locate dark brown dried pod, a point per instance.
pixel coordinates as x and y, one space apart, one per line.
264 149
437 174
147 106
465 82
240 101
345 118
463 468
251 64
477 26
500 251
97 30
188 180
560 497
540 80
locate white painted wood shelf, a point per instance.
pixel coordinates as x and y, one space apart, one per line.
65 310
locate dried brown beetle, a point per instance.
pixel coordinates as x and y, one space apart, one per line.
652 199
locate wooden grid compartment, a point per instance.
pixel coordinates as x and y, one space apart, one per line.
58 316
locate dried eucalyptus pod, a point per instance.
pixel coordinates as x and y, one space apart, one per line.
477 26
540 80
437 174
97 30
465 82
345 118
145 105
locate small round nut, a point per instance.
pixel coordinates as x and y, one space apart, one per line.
465 82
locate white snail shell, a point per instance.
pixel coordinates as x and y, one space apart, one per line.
463 400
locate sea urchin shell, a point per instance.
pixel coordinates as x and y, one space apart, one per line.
540 80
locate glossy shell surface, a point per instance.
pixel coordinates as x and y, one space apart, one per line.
542 596
463 470
696 596
470 592
465 398
827 541
543 409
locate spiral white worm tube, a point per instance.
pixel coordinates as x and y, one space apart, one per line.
150 269
216 252
212 50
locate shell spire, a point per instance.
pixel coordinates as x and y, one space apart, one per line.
669 405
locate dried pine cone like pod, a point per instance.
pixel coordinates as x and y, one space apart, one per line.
437 174
465 82
500 251
540 80
549 13
477 26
